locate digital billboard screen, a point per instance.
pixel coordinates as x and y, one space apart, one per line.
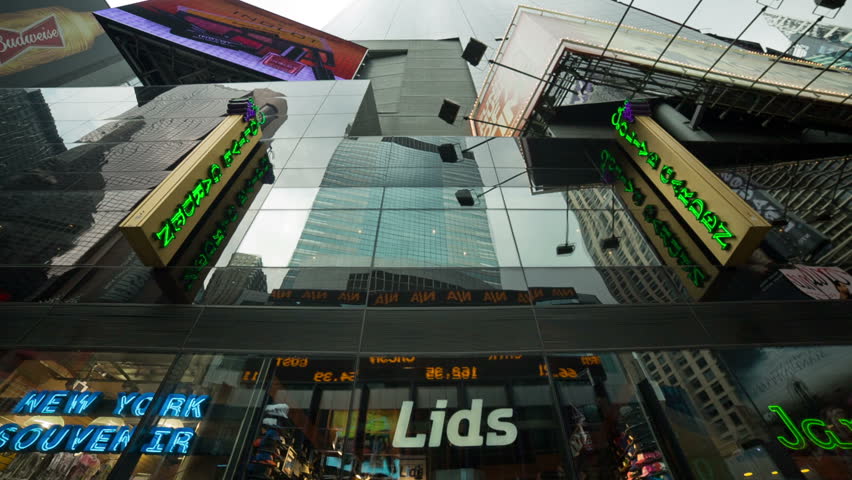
244 35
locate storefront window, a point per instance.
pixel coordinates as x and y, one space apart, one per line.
767 413
63 412
222 395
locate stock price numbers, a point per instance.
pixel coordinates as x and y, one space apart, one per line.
331 377
451 373
558 372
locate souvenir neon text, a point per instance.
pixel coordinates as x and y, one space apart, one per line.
100 438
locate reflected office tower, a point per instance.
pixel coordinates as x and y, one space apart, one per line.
242 282
700 374
814 192
388 202
632 272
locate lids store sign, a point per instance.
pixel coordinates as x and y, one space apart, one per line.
43 437
728 226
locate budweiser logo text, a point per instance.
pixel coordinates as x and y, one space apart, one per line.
44 33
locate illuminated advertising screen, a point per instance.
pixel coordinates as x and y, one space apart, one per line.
244 35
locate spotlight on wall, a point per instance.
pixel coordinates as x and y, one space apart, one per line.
474 51
465 197
449 111
565 249
610 243
448 153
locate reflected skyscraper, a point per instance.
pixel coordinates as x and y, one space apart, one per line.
392 173
628 283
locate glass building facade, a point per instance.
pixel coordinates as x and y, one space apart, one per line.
358 321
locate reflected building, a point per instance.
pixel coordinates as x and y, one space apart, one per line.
241 283
714 394
628 283
346 228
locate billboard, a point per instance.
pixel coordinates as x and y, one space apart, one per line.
820 283
244 35
50 43
537 39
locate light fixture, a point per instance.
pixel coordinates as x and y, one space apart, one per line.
171 423
448 152
774 472
474 51
108 421
806 470
45 421
449 111
565 249
748 474
467 198
610 243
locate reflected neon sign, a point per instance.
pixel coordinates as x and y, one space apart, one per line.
670 240
43 437
717 228
186 209
826 438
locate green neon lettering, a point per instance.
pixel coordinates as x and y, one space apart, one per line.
685 196
638 198
188 205
684 259
198 193
667 174
846 423
696 207
165 235
219 236
798 442
807 426
653 160
226 159
178 219
628 185
674 248
210 247
725 233
643 149
710 221
254 126
215 173
206 183
697 277
263 117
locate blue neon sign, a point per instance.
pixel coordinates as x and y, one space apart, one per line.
100 438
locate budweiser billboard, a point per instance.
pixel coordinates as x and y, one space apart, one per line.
243 35
53 43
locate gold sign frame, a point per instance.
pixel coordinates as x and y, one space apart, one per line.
728 226
163 222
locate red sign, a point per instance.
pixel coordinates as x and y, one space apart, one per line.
44 33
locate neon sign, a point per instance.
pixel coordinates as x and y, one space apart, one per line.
231 215
100 438
827 439
670 240
717 228
172 225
